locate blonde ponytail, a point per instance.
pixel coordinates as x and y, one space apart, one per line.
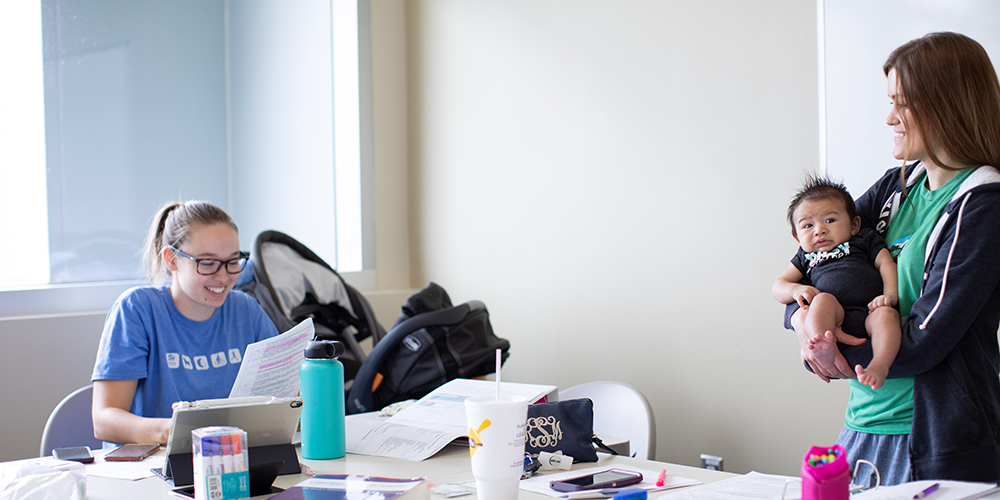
170 227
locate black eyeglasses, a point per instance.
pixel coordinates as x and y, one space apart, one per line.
209 267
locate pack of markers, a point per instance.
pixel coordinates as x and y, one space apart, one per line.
220 463
825 475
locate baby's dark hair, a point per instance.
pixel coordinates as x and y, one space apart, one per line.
821 188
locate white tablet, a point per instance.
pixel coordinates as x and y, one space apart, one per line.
267 420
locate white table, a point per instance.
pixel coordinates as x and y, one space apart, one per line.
450 465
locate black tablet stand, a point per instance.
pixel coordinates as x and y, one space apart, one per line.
179 468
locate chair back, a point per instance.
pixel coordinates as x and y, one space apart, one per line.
70 423
620 410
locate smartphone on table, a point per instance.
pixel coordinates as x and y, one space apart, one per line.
611 478
131 452
75 453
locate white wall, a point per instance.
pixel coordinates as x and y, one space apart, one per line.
611 178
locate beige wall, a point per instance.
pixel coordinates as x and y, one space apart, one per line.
392 223
610 178
43 359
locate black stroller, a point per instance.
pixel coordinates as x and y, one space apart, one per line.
292 283
431 343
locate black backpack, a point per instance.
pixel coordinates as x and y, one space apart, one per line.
292 283
431 343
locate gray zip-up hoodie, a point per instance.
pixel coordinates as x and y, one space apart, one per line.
950 343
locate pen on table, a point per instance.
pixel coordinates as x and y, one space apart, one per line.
930 489
661 479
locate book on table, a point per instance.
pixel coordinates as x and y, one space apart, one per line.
428 425
344 487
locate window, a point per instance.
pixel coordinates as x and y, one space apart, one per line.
23 255
248 105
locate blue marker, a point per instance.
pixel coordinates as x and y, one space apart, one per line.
629 494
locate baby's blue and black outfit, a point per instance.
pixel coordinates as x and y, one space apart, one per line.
848 273
175 358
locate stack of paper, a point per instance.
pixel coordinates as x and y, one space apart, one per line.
946 490
750 486
540 483
344 487
769 487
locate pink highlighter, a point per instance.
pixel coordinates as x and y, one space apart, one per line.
824 474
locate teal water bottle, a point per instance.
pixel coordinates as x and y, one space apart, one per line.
321 384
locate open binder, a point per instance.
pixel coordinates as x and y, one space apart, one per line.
269 422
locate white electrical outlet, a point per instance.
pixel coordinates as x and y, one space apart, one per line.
711 462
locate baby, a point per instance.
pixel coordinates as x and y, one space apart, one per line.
851 273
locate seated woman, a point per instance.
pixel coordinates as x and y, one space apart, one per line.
180 342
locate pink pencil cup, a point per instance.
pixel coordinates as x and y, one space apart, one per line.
823 478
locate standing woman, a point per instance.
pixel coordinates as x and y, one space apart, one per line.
938 417
183 341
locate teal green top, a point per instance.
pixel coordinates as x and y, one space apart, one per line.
889 409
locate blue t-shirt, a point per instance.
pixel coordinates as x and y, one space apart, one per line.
175 358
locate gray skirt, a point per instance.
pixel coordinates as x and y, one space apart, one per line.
889 453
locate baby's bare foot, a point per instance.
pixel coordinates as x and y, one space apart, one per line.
873 376
824 348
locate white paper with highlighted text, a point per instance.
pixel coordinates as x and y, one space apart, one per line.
271 367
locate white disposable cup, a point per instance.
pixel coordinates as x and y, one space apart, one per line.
496 444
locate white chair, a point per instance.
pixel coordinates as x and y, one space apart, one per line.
620 410
70 423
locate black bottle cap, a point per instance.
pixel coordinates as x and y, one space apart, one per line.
324 349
